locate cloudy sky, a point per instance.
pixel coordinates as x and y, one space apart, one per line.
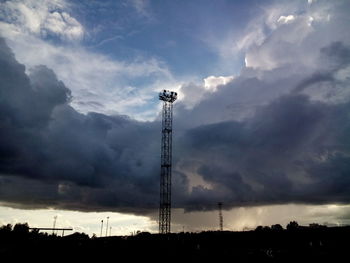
262 121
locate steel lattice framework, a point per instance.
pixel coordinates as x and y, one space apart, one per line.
168 97
221 219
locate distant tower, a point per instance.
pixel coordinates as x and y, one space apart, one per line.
168 97
221 219
54 224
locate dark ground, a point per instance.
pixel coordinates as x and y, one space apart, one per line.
306 244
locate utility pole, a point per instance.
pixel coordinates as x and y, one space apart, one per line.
221 219
54 224
168 97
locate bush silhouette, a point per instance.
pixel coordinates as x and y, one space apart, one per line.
21 229
277 227
293 225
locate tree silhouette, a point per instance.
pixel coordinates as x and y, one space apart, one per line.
293 225
265 244
21 229
277 227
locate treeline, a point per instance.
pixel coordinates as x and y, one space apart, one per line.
264 244
292 226
22 230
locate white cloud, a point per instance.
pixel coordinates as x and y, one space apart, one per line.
64 25
231 46
293 39
291 22
42 18
285 19
192 93
262 25
211 83
255 36
310 1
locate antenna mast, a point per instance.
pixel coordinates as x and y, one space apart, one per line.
221 218
168 97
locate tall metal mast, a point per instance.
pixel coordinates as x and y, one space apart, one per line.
168 97
221 219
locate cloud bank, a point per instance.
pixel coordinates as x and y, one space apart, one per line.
102 82
277 133
57 156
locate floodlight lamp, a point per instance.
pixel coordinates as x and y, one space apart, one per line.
168 96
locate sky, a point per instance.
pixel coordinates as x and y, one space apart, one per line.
261 123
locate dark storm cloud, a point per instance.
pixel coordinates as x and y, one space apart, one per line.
257 140
314 79
290 147
292 150
333 58
84 161
336 55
